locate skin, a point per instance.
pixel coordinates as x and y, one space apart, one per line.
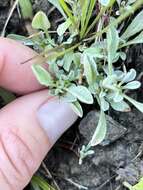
21 150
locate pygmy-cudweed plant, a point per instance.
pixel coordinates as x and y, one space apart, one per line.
81 56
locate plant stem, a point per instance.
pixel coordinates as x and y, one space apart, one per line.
57 55
67 11
134 7
9 16
100 14
102 11
89 14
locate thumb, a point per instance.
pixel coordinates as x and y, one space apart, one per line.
29 127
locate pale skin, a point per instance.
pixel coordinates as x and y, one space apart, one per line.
23 142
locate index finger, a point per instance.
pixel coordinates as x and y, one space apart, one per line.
15 76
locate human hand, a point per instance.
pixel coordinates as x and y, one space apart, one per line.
31 124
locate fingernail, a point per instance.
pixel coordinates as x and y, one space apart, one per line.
56 117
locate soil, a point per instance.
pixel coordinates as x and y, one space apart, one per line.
119 158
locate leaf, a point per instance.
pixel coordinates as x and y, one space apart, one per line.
112 46
72 75
42 75
119 74
135 27
38 181
123 56
104 104
67 10
26 41
132 85
109 81
26 9
35 186
118 97
137 40
63 27
82 93
130 76
56 4
84 7
54 69
40 21
120 106
100 131
138 105
88 17
77 108
94 52
68 58
69 98
87 69
104 2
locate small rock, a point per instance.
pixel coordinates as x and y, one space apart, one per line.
88 125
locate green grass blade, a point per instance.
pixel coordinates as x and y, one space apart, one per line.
56 3
37 181
26 9
84 7
9 17
100 14
67 10
88 17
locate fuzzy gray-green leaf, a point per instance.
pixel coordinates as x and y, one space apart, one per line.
67 61
40 21
112 46
100 131
82 93
135 27
69 98
137 40
138 105
42 75
87 69
132 85
130 76
56 4
104 104
63 27
77 108
120 106
104 2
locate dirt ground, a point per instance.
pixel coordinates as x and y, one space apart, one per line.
117 159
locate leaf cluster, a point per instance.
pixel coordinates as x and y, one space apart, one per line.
81 59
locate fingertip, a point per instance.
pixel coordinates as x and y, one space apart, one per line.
15 76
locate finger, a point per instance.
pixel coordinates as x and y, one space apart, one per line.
29 127
15 76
